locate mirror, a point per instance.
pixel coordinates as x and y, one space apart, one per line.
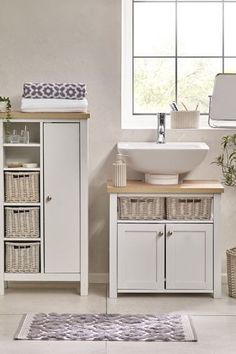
222 107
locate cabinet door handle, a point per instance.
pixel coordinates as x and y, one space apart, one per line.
169 233
48 198
160 233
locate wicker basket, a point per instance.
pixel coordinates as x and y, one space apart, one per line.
22 222
22 257
195 208
21 187
141 208
231 271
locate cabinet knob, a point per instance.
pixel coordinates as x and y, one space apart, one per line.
169 233
160 233
48 198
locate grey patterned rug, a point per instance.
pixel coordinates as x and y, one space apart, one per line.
106 327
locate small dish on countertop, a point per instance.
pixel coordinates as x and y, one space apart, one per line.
30 165
14 164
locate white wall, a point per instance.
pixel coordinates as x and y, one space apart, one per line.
79 40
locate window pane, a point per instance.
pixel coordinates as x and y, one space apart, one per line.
153 85
202 0
178 0
230 29
230 65
155 0
199 29
154 29
195 81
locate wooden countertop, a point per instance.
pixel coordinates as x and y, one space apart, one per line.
46 115
189 186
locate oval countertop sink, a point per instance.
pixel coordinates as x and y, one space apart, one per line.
163 159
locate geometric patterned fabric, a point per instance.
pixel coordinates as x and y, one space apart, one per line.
106 327
72 91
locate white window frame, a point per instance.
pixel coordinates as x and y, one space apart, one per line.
128 120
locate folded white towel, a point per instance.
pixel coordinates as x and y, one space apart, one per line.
53 105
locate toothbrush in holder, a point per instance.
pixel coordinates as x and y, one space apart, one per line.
185 107
173 106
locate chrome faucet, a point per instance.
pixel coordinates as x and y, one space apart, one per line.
161 128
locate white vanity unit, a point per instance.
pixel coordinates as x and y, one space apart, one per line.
44 209
170 253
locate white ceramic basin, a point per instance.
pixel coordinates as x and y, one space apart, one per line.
162 163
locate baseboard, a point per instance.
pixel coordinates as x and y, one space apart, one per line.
94 278
98 278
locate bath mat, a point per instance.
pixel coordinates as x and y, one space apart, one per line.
106 327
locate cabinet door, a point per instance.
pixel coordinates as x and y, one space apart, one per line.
61 185
189 256
140 256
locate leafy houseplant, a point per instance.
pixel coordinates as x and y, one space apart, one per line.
6 107
227 160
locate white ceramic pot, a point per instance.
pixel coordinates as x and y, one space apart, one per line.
3 106
184 119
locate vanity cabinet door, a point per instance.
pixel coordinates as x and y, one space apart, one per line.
140 256
189 257
62 197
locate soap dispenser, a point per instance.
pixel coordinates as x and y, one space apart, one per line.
119 172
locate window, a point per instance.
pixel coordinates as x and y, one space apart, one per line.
171 51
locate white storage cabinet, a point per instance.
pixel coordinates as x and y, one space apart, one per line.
165 256
58 144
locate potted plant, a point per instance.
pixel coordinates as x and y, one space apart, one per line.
227 160
5 106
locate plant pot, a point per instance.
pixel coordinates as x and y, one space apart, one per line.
3 106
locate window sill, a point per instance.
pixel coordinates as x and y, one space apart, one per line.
150 123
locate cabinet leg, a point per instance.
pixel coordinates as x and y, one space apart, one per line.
83 289
217 294
112 293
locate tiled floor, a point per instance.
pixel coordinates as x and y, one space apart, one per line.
214 320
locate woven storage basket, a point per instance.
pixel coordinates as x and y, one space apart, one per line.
141 208
22 257
22 222
21 187
231 271
195 208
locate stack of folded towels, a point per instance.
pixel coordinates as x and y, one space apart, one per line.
54 97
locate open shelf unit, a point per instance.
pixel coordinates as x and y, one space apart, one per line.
22 204
21 169
22 239
23 153
21 145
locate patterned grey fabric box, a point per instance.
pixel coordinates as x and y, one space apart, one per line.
72 91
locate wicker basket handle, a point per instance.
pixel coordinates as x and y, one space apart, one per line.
21 211
142 200
20 176
189 200
19 247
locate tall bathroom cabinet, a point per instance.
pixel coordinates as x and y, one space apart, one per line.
170 254
58 145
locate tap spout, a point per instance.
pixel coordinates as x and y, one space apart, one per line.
161 128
